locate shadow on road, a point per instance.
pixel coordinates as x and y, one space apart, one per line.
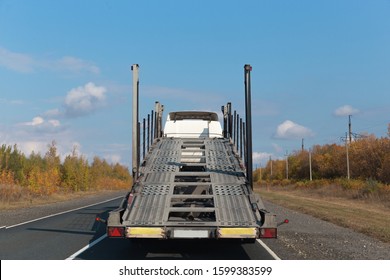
83 223
122 249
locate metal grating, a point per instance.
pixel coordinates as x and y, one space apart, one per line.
234 210
159 178
168 153
219 168
165 160
234 178
229 190
155 190
164 168
147 210
216 154
223 176
169 144
218 161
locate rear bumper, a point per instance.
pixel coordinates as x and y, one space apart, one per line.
191 232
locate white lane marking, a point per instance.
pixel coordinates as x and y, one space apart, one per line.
64 212
72 257
2 227
272 253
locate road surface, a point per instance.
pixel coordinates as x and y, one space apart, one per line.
75 234
70 231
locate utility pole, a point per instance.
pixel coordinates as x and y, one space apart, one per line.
303 145
347 152
311 176
286 165
350 128
270 161
346 141
260 173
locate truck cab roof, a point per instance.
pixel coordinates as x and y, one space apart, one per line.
192 115
193 124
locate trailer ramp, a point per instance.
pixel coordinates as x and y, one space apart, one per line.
191 188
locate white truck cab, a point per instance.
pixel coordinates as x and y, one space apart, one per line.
193 124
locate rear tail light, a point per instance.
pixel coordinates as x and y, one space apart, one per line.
116 232
268 233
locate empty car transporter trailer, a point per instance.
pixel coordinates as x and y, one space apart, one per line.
192 182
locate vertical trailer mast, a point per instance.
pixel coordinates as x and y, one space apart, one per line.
135 133
248 121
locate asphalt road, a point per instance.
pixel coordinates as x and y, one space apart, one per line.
76 235
55 237
71 232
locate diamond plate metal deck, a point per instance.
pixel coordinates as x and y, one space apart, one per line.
191 182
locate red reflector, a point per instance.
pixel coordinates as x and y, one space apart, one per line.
116 232
268 233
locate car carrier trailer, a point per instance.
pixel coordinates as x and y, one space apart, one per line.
192 182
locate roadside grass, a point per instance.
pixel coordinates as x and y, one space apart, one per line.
345 207
13 196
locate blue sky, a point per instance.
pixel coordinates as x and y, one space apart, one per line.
65 69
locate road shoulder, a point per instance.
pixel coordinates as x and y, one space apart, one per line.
20 215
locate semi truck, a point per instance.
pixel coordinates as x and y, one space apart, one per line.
194 182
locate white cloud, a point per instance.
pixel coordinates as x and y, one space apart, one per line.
38 133
39 124
64 148
345 110
54 123
25 63
16 61
34 135
27 147
291 130
84 100
53 113
35 121
259 158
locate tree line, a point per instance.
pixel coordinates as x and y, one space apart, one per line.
369 158
45 175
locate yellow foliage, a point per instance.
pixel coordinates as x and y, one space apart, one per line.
7 177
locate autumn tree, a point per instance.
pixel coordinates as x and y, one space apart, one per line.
75 172
388 130
52 171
